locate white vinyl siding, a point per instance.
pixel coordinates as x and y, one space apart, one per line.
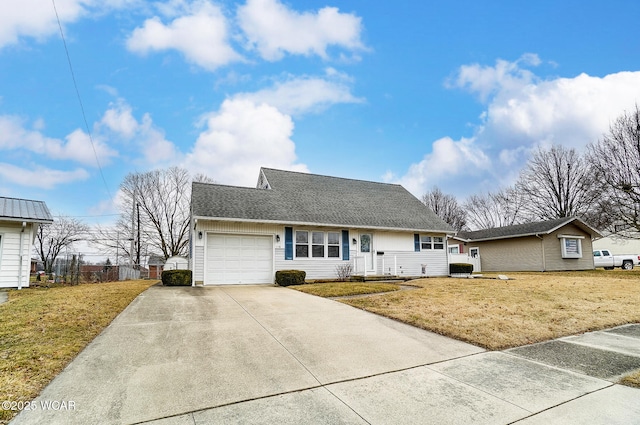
10 235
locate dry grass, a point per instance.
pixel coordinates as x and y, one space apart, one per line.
42 330
341 289
632 380
501 314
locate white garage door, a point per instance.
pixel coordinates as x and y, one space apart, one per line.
233 259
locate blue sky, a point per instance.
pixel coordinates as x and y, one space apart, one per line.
454 94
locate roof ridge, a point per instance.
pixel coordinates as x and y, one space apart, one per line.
330 177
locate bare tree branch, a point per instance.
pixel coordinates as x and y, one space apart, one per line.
446 207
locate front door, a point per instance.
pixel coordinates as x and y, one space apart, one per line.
366 250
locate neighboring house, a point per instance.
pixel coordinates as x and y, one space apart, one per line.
19 222
619 245
313 223
553 245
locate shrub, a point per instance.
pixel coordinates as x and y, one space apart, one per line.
290 277
176 277
455 268
343 271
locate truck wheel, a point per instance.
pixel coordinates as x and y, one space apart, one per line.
627 265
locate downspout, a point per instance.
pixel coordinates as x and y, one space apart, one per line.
544 262
24 225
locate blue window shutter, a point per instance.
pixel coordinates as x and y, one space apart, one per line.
345 245
416 242
288 243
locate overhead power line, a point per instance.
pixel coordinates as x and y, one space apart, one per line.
84 116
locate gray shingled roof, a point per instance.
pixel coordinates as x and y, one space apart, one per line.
24 210
527 229
297 198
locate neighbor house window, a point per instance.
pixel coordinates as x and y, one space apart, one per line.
425 242
302 244
571 246
454 249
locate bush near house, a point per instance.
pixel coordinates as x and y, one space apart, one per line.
455 268
290 277
176 278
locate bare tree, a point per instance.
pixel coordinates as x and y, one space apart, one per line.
559 182
162 198
52 238
446 207
616 160
494 209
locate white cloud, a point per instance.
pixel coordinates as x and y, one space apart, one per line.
275 30
241 137
78 148
301 95
149 139
523 111
201 35
459 158
37 19
38 176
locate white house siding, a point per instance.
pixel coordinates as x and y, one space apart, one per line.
394 244
403 263
10 235
618 245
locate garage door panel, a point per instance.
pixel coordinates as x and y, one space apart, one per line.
233 259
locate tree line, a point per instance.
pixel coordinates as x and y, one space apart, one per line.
601 185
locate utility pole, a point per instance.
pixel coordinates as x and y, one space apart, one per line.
138 250
133 223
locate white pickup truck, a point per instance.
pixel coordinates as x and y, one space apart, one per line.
604 258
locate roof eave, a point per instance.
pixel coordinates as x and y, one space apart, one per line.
28 220
305 223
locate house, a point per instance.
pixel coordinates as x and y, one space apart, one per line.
552 245
19 222
314 223
618 244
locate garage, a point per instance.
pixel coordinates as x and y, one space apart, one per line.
238 259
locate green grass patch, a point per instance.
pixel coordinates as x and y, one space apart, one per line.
343 289
42 330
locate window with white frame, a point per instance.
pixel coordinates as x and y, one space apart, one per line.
317 244
302 244
571 246
438 242
425 242
454 249
317 247
333 244
431 242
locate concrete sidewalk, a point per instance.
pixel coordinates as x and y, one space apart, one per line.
263 354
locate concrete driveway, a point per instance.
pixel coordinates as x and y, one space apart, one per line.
263 354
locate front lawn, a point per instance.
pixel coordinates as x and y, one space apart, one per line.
42 330
532 307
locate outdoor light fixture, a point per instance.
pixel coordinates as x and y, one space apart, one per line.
277 238
354 241
200 235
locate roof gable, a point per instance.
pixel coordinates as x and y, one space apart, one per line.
301 198
13 209
527 229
